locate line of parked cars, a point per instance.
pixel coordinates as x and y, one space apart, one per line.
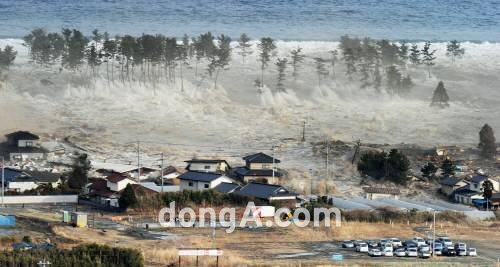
416 247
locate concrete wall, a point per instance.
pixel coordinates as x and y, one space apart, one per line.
40 199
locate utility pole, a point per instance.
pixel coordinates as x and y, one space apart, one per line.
356 151
3 181
304 131
274 161
161 172
311 186
138 161
327 159
433 233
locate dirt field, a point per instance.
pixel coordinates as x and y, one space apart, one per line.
290 246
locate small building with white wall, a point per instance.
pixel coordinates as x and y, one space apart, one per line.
202 181
373 193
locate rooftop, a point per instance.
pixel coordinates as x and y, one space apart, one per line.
244 171
479 178
200 176
22 135
226 187
116 177
263 191
451 181
260 158
38 176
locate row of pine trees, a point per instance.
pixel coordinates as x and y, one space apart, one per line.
158 58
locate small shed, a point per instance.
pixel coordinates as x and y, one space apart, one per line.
373 193
65 216
79 219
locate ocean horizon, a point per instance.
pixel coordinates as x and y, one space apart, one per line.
474 20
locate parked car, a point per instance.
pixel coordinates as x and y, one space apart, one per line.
449 252
424 254
357 242
396 242
418 241
411 252
424 248
382 242
472 252
461 252
438 252
400 252
372 243
411 245
374 252
460 245
362 247
388 253
438 245
446 241
347 244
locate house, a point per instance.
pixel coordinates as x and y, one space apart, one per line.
227 188
23 145
22 139
207 165
269 192
30 180
107 192
104 169
466 196
476 183
450 184
117 181
259 168
373 193
495 201
192 180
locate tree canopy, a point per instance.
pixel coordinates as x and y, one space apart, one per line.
393 166
487 142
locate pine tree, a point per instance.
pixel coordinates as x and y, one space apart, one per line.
364 69
7 57
403 54
454 50
321 69
127 198
487 142
281 66
448 167
244 46
333 60
350 61
79 175
429 170
222 56
266 48
440 97
297 58
406 84
428 57
393 80
415 55
377 77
